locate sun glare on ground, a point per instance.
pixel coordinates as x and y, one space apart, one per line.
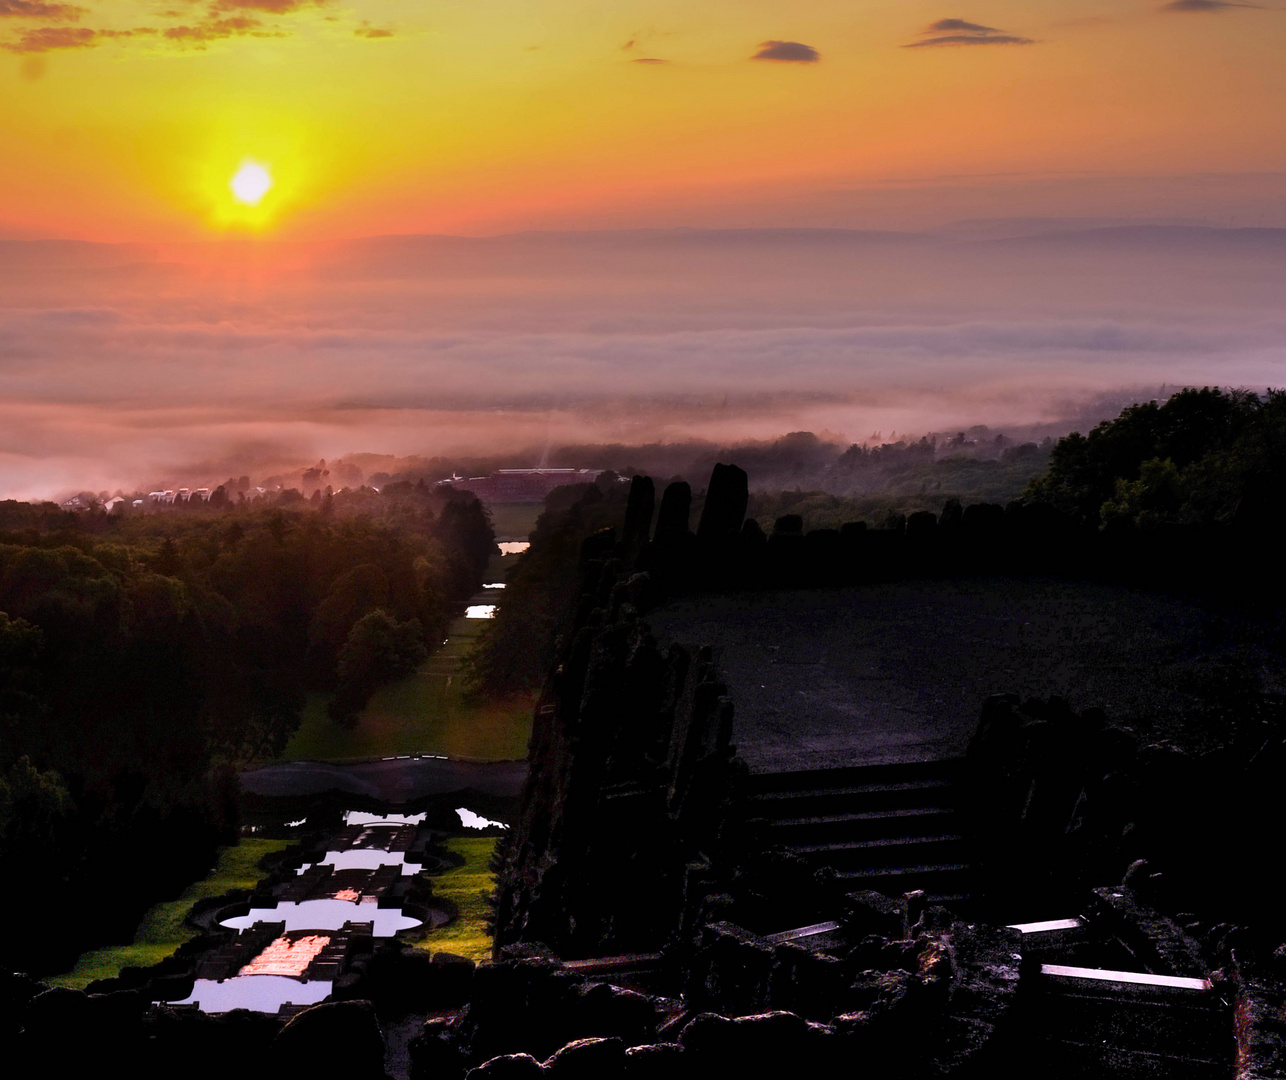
251 183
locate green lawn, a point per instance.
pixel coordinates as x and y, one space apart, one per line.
517 520
425 713
162 929
466 886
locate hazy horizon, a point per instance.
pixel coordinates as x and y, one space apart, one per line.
128 364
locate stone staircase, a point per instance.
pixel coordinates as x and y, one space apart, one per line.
892 828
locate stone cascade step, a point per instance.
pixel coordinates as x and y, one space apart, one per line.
1068 941
902 786
1127 1025
867 825
886 852
903 783
892 827
943 883
644 972
848 798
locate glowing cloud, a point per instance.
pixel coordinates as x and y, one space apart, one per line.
35 9
217 29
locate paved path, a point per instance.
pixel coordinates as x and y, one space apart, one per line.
394 780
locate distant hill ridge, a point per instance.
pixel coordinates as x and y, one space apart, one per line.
68 253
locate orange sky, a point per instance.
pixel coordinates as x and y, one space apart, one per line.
125 120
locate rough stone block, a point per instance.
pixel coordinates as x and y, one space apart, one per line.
507 1067
588 1059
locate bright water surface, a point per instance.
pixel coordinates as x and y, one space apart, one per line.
259 993
326 914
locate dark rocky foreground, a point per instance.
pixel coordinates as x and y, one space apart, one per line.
1061 896
645 831
894 987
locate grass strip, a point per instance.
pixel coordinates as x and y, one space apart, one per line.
162 929
466 886
428 712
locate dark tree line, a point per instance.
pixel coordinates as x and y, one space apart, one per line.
1205 457
517 647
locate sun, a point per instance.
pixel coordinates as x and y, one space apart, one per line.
251 183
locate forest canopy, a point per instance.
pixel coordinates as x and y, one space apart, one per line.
1204 456
143 657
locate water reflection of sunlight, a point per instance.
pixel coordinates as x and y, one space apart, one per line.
327 915
361 817
470 820
276 977
370 859
286 957
480 611
258 993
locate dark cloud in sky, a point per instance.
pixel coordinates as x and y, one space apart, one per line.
368 31
947 32
947 26
649 60
970 39
1205 5
36 9
790 51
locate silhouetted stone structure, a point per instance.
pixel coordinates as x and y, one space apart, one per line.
638 515
642 832
725 505
634 766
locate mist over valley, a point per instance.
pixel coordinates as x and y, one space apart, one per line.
129 365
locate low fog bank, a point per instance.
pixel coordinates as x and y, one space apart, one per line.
133 366
898 471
